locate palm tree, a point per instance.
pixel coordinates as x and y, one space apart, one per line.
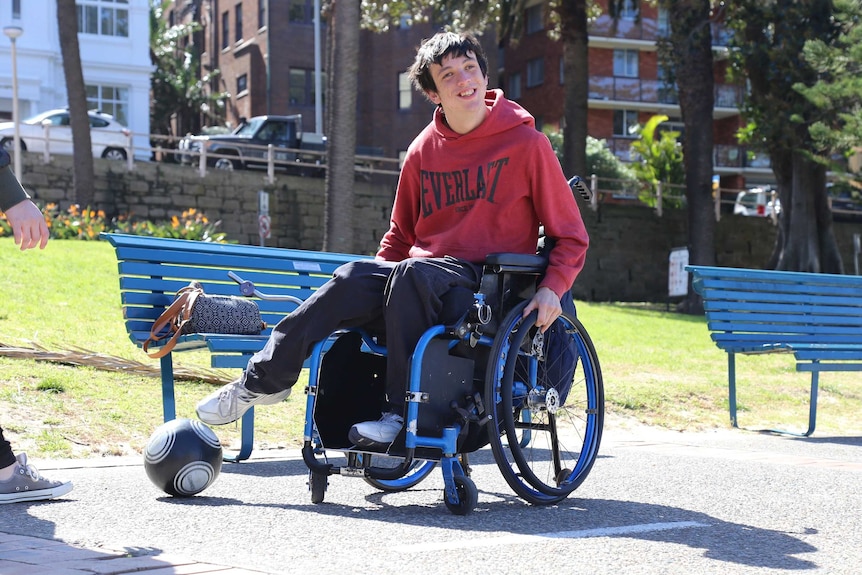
83 175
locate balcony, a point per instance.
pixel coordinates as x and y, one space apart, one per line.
639 90
648 30
728 157
731 156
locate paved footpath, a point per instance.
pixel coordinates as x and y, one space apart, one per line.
656 502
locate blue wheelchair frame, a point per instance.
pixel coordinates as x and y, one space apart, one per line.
460 493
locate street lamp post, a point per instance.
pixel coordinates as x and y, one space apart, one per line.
13 32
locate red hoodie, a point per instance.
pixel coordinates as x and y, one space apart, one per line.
486 191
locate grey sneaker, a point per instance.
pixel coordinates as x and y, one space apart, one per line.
28 485
230 402
376 433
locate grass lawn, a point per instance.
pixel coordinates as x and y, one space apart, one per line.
659 367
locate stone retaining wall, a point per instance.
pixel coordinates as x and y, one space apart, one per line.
627 261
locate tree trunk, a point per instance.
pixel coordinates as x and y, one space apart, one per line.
691 44
806 241
576 73
341 143
83 176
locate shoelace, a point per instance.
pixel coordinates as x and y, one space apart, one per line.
392 418
228 397
30 470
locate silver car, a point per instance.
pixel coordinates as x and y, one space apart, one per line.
110 139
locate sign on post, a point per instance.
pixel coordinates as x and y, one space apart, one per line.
263 220
677 277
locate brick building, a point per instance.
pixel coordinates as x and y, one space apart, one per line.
627 85
626 79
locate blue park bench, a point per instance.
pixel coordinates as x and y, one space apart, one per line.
151 271
816 317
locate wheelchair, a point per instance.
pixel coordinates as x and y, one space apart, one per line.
488 378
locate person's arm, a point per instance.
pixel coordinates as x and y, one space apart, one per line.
11 191
559 213
28 223
396 243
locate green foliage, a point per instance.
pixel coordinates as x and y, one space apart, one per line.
613 173
176 88
85 224
769 51
659 159
838 92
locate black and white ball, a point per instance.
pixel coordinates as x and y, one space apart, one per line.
183 457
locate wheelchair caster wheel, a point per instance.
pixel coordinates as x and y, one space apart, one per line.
468 496
317 483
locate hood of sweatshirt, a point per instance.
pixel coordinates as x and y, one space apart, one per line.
504 115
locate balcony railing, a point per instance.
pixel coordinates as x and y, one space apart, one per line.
649 29
622 89
731 156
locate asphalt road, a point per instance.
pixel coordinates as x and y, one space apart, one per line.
662 502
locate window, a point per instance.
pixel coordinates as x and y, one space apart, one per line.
16 9
225 26
663 22
237 23
535 72
625 122
535 21
241 83
515 86
301 12
405 92
103 17
261 13
626 63
302 86
113 100
630 10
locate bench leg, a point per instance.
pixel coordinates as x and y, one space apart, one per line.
169 404
247 438
731 387
812 408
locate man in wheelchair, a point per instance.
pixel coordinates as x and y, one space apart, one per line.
478 179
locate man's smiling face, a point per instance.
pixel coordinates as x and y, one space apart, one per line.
460 83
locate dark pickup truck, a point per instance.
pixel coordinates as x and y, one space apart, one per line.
247 145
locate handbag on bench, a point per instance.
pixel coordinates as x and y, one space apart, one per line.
194 311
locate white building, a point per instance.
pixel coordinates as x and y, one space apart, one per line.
114 44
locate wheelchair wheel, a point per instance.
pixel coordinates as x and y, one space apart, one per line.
468 496
417 472
317 483
546 393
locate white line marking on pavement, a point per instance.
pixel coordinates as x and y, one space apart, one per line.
521 539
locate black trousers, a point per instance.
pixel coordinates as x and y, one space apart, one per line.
407 297
7 457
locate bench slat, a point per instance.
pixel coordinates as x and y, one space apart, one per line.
779 331
718 306
216 278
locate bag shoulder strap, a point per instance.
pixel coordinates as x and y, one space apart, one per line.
174 317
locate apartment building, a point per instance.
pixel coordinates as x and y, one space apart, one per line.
268 59
627 85
114 47
266 54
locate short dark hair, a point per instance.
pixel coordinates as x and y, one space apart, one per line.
434 49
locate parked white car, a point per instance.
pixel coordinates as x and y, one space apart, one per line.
762 202
110 138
